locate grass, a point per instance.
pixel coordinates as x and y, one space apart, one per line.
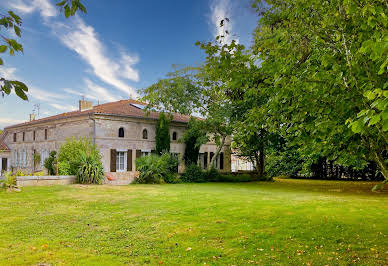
284 222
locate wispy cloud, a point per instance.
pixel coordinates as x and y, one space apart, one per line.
93 91
62 107
76 35
221 9
85 42
44 7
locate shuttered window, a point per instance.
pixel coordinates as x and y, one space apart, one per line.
129 160
113 160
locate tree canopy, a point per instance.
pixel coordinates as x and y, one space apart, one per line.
313 85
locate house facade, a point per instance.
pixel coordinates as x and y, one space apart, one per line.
121 130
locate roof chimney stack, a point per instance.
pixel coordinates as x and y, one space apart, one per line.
32 117
85 105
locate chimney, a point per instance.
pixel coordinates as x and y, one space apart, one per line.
85 105
32 117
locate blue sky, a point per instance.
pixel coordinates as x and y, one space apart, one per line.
111 52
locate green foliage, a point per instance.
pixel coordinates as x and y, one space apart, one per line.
64 168
193 174
70 7
90 169
155 169
9 181
162 138
325 64
72 152
51 163
194 137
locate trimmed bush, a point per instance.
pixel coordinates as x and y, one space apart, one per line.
211 175
51 163
235 178
193 174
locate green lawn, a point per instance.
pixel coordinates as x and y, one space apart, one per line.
287 221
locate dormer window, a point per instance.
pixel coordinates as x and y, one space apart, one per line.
145 134
121 132
174 136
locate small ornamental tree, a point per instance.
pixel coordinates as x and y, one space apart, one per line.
162 137
50 163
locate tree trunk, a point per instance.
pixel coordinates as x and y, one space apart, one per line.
219 148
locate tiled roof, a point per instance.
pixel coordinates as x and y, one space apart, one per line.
3 146
119 108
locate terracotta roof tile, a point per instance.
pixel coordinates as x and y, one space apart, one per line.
120 108
3 146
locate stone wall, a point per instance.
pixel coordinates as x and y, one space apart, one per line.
26 181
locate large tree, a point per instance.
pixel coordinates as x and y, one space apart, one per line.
328 68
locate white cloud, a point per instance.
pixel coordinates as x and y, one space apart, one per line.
93 91
64 108
99 93
221 9
83 39
76 35
44 7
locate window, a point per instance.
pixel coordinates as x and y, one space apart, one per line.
24 136
45 134
14 137
145 134
33 135
121 161
174 135
121 132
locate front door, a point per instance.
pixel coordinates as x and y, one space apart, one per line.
4 164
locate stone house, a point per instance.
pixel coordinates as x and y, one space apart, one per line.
122 131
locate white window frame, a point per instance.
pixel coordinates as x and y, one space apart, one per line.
121 154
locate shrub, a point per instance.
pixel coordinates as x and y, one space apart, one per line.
90 170
155 169
9 181
235 178
211 175
50 163
193 174
151 169
71 152
64 168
